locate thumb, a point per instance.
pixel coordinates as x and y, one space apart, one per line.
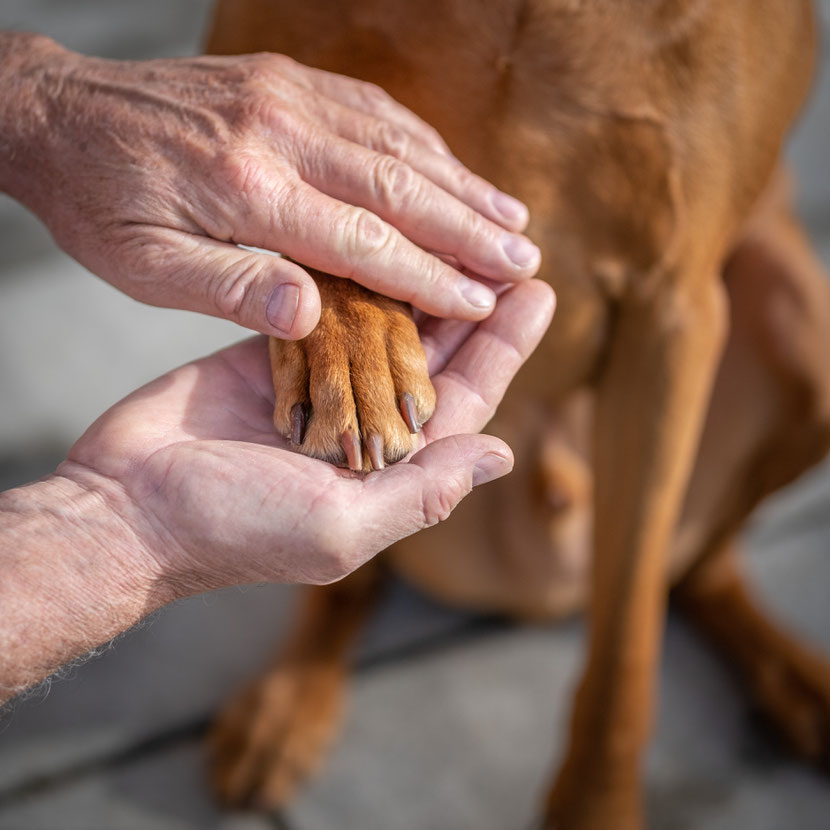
256 289
409 497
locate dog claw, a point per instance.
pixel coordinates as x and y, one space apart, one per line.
297 423
351 445
409 413
375 446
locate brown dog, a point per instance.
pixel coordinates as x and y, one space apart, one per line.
685 378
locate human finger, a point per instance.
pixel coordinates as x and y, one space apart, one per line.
348 241
411 496
441 338
473 381
445 171
366 114
421 210
266 293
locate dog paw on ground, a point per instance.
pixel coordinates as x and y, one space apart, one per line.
791 685
273 737
608 799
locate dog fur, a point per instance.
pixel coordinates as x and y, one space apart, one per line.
685 377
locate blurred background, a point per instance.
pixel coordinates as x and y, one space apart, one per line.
454 722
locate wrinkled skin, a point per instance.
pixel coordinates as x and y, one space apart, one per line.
149 173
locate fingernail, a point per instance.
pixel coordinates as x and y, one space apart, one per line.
282 307
488 467
476 294
520 250
510 208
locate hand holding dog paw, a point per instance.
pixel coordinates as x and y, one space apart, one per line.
151 173
222 500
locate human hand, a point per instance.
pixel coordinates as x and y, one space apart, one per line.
218 499
149 173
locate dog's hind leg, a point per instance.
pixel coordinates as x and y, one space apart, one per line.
273 736
786 679
769 422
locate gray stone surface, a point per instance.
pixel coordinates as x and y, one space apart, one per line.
161 791
71 346
453 724
170 672
808 148
114 28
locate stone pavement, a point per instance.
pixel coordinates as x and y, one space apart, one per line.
454 722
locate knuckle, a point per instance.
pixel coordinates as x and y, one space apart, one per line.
267 96
474 230
282 120
375 98
274 63
242 173
433 280
396 184
438 503
251 91
366 234
466 183
393 140
233 286
141 259
261 67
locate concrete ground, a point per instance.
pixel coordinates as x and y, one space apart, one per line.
454 722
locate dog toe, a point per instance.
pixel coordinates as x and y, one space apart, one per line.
289 369
357 389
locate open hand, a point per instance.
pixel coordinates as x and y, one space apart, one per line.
218 499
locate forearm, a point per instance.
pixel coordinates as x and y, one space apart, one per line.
29 78
73 574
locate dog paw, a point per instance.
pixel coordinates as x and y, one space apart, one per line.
357 389
273 737
590 798
792 688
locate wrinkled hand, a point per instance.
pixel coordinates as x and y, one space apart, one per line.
218 499
150 173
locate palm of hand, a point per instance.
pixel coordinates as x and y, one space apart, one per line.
197 451
228 502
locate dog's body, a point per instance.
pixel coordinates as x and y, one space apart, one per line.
685 377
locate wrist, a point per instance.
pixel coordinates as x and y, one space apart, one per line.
31 67
118 527
74 573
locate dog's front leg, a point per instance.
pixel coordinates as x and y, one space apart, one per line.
651 401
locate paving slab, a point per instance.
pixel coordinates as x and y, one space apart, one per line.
71 346
162 791
170 672
114 28
461 737
808 145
